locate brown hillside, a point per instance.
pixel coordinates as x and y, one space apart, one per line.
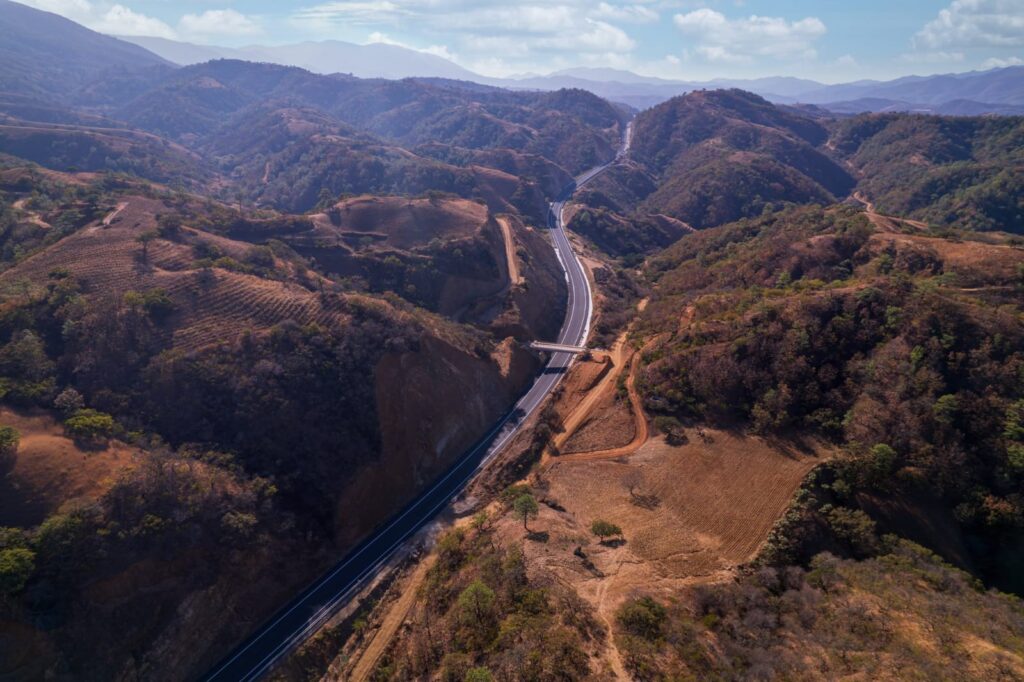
405 223
50 470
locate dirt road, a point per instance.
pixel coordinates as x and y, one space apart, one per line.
510 252
886 223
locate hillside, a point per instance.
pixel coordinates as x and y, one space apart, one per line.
711 157
88 148
967 172
852 378
572 128
820 321
723 155
45 54
285 137
200 352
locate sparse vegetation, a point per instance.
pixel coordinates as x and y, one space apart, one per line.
903 613
525 508
605 529
90 425
481 618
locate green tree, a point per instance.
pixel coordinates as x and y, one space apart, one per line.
168 225
16 567
604 529
879 464
477 603
9 439
145 238
642 617
945 408
90 425
525 508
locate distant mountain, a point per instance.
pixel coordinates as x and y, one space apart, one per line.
957 107
376 60
591 73
997 86
45 54
998 91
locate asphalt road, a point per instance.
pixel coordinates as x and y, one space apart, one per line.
305 614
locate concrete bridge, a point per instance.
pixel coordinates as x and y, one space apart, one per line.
556 347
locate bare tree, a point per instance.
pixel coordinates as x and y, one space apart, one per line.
633 481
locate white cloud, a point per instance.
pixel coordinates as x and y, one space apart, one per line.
720 39
847 60
119 20
111 19
1001 63
358 11
933 57
974 23
631 13
76 10
436 50
593 36
489 35
217 23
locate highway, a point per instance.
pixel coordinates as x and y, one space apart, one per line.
306 613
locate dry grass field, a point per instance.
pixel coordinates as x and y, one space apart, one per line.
689 514
696 510
401 222
50 469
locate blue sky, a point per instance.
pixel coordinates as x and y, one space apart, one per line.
829 40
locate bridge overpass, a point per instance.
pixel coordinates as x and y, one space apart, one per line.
557 347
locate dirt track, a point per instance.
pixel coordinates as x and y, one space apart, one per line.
510 252
392 621
639 420
886 223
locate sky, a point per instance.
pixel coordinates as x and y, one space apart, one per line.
827 40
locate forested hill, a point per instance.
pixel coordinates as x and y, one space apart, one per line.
709 158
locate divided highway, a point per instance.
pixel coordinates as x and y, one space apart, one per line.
298 620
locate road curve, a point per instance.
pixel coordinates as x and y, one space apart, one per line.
306 613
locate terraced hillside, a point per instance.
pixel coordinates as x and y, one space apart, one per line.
197 332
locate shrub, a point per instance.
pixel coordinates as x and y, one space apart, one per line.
673 429
16 567
479 675
9 439
642 617
90 425
604 529
157 304
69 401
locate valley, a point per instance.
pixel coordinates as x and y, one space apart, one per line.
306 375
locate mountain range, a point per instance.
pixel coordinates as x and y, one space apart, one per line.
996 91
249 311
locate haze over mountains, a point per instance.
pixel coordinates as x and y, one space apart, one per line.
999 91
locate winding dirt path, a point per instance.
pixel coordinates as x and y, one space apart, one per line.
33 216
620 355
885 223
614 655
639 421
